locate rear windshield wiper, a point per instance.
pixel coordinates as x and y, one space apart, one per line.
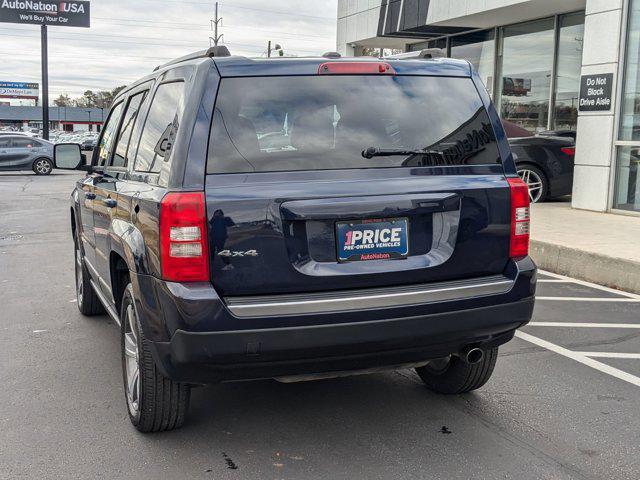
390 152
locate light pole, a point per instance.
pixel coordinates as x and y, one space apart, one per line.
277 48
45 81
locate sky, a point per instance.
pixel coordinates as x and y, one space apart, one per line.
127 39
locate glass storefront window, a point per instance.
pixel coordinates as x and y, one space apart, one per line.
630 108
479 49
527 61
378 52
568 68
525 68
439 44
628 179
627 191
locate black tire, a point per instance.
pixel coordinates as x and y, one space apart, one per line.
534 171
456 376
88 302
42 166
155 403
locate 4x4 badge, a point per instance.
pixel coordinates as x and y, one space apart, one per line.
229 253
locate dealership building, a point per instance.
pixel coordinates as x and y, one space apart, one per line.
548 65
24 117
68 119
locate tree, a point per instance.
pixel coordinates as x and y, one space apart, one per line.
103 99
64 100
89 99
117 90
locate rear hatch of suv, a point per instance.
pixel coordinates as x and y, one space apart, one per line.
360 176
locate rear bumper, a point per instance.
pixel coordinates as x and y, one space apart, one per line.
204 343
241 355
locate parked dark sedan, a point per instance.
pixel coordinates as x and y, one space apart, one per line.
559 133
89 143
545 163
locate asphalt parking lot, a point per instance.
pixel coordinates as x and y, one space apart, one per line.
563 402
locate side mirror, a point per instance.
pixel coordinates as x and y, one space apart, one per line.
67 156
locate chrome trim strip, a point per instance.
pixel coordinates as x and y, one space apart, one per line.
281 305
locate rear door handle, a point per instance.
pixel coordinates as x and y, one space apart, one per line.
90 196
110 202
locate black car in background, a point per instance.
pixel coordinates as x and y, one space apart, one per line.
544 162
89 143
559 133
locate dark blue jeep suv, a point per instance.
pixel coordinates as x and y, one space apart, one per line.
301 218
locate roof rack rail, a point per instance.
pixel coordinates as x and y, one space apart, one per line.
217 51
425 54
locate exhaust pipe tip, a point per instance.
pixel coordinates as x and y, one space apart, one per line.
473 355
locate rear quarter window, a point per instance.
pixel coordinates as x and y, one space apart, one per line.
160 129
266 124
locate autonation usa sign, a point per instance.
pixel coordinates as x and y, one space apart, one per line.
45 12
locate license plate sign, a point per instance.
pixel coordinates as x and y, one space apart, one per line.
386 239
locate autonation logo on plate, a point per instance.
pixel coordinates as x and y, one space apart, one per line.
372 240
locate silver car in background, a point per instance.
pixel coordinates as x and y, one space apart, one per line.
20 152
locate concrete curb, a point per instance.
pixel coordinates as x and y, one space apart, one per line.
592 267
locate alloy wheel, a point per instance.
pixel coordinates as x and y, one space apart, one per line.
43 167
132 367
534 182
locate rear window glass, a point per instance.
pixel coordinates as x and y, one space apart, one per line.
266 124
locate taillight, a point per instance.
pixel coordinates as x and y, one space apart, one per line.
356 68
520 218
184 253
571 151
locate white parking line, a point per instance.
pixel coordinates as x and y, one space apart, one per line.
579 357
584 325
553 275
552 280
591 299
557 276
610 355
